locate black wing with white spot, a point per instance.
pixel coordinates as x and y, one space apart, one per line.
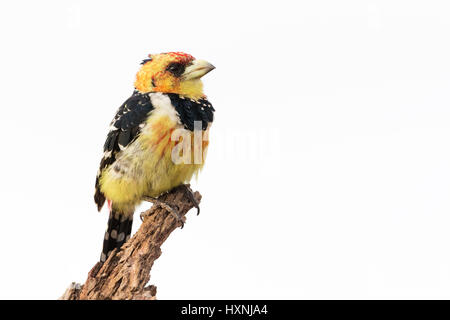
125 127
191 110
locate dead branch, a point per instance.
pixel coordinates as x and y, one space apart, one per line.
126 272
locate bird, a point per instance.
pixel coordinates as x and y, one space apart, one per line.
138 154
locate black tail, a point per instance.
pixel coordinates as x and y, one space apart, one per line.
118 232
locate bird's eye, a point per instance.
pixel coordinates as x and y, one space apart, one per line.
175 68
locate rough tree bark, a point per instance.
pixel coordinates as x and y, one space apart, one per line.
126 272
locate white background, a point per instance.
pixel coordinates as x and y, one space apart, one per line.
328 174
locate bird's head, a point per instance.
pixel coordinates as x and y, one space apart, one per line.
172 72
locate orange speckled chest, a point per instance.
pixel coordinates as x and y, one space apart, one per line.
146 167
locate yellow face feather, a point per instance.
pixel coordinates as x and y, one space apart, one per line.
173 72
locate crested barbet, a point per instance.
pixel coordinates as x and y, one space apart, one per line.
138 160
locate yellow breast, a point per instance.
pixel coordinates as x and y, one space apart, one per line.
145 167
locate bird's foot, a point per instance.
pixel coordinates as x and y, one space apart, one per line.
190 194
145 214
165 206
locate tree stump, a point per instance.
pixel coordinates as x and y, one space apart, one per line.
126 272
